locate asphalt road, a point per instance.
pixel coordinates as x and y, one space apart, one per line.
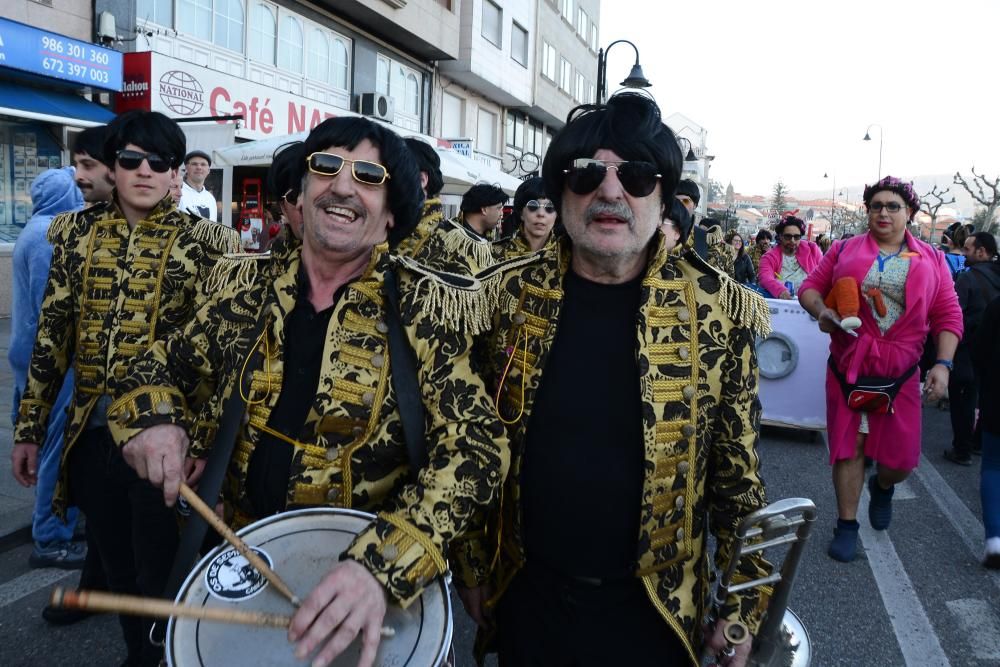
916 596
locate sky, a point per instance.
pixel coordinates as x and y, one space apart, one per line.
787 89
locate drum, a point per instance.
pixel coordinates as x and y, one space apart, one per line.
301 547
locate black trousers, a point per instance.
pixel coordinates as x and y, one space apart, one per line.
549 621
963 397
135 533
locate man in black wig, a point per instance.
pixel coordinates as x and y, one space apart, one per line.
628 380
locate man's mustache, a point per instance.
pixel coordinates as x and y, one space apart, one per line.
615 209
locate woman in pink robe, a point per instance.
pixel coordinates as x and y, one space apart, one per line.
905 291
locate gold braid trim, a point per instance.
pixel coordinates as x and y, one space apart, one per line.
220 237
744 306
457 301
234 271
401 523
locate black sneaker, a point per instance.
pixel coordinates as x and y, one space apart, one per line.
60 616
955 457
64 555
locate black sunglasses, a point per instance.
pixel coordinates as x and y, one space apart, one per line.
791 237
130 159
363 171
534 205
637 177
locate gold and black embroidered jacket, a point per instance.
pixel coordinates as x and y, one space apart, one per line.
350 452
701 415
446 245
112 292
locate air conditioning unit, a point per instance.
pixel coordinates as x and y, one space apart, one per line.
376 105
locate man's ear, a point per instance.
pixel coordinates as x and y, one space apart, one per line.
390 222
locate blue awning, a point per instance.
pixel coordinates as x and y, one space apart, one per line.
51 106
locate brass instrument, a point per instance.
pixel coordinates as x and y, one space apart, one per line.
782 640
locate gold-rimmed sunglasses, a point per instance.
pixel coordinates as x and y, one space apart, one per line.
363 171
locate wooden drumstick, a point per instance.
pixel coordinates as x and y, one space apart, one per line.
134 605
225 531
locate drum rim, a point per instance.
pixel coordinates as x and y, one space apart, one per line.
445 578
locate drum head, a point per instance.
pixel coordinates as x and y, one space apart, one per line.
301 546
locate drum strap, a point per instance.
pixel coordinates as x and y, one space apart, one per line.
403 366
210 484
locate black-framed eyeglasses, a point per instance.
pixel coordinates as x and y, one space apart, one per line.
533 205
363 171
636 176
791 237
131 160
892 207
292 197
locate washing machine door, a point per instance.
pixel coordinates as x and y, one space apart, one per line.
777 356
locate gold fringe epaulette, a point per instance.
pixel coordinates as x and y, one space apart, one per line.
430 219
224 239
461 242
458 301
714 235
743 306
58 227
237 270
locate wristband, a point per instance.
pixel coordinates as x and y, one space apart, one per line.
946 363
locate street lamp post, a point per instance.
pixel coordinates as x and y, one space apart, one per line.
635 79
689 156
881 136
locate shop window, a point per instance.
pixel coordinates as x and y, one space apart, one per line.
160 12
229 24
318 66
194 18
492 23
290 45
341 63
519 45
263 32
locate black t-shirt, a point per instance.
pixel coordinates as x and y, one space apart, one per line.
583 464
305 334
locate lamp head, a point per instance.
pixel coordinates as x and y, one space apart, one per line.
636 79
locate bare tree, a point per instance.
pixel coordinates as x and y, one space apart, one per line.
931 208
986 193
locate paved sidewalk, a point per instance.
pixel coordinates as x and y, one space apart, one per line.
15 501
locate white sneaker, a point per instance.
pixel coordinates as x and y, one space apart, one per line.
992 559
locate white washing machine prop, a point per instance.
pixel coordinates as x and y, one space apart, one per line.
792 361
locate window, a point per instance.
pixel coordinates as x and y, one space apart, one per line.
492 23
382 75
155 11
582 23
399 82
591 93
580 89
290 45
318 65
341 63
519 44
194 18
487 132
548 61
566 6
229 24
565 75
593 37
451 116
263 32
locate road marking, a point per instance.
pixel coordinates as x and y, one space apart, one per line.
28 583
914 633
904 491
980 625
965 523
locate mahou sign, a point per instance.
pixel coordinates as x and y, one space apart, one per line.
155 82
